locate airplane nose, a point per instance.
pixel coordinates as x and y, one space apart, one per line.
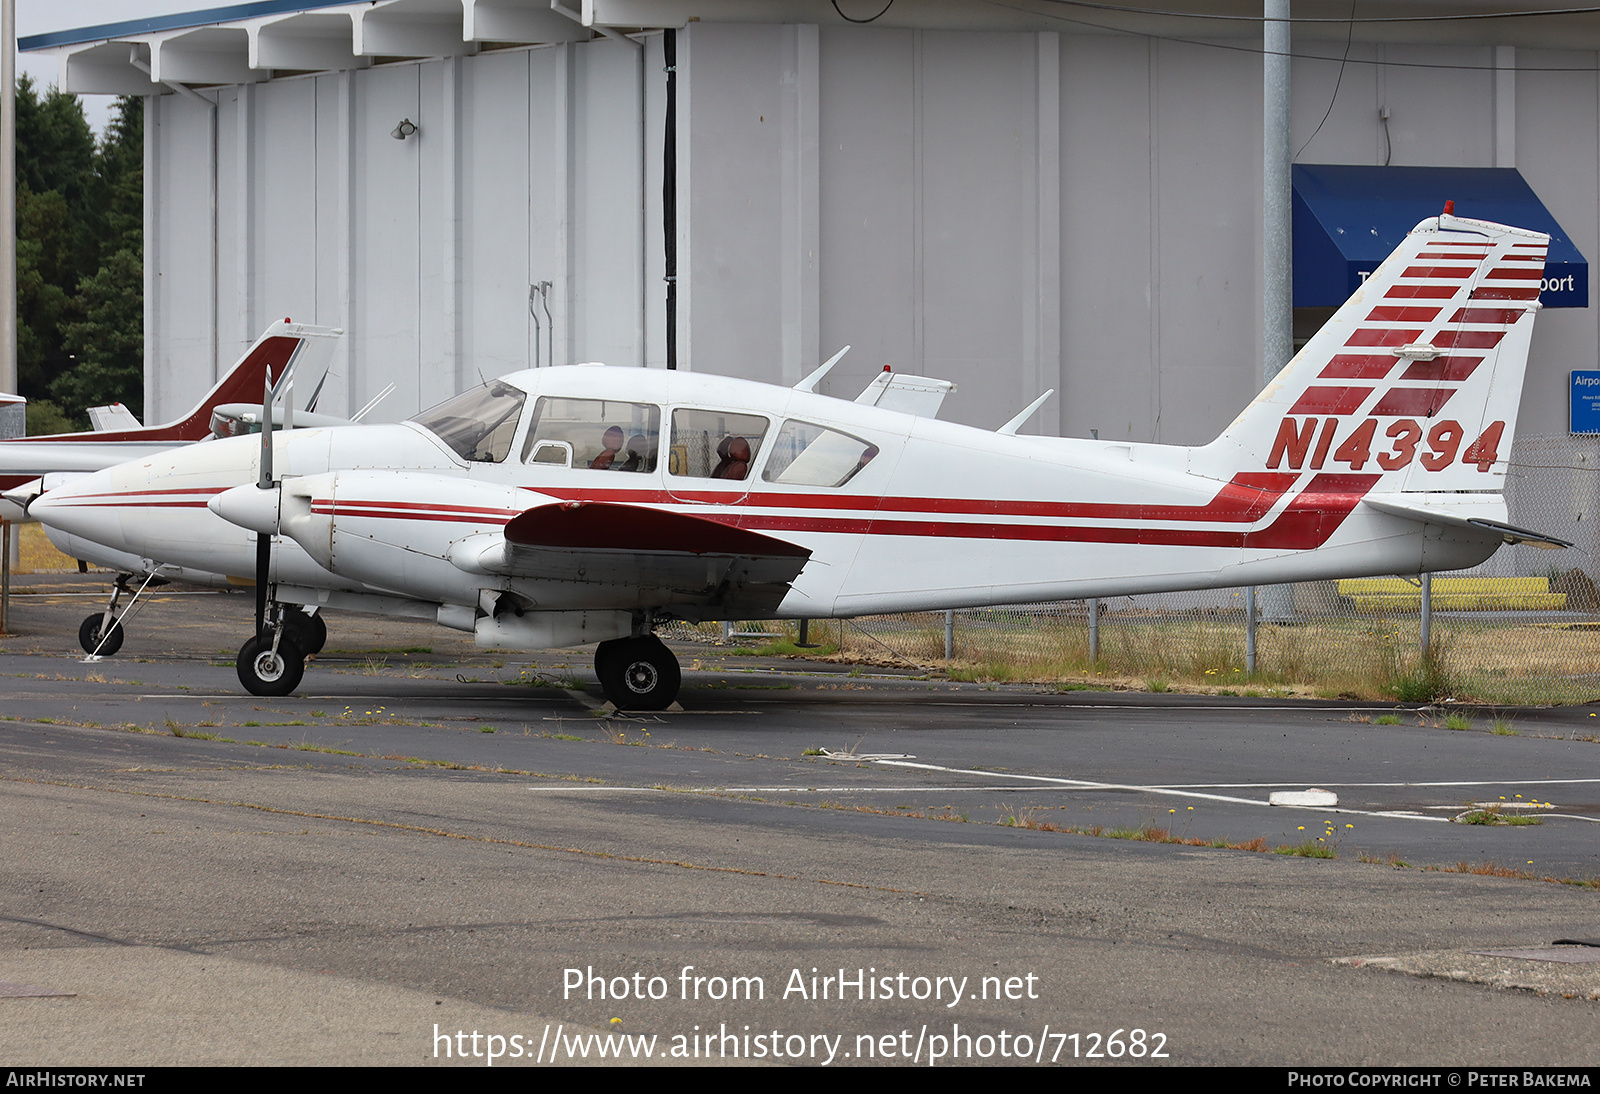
249 507
72 509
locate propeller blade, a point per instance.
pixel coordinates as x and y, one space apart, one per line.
266 434
263 571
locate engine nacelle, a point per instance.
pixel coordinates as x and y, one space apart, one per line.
382 529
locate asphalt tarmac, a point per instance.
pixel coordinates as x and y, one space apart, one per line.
431 839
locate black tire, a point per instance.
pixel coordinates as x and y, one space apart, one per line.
264 673
604 654
89 634
638 673
310 632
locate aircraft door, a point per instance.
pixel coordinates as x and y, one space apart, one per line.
712 455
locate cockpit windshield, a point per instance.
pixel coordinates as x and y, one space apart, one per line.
477 424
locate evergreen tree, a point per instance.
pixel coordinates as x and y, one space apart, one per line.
46 280
106 334
80 253
56 151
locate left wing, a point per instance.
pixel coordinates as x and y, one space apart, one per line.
688 562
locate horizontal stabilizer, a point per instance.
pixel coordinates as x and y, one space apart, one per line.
919 395
115 416
1459 517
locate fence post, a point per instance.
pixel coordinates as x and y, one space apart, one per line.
949 635
5 573
1250 629
1094 629
1427 617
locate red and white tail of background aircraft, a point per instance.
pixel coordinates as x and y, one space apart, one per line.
26 461
570 505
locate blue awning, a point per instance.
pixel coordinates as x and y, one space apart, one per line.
1347 219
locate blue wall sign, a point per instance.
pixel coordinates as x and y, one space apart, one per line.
1585 401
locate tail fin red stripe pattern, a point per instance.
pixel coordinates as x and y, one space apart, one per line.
1432 329
1394 314
1422 292
1500 317
1468 339
1330 400
1442 368
1439 271
1498 292
1412 402
1374 337
1351 366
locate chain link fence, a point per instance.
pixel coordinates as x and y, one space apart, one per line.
1523 628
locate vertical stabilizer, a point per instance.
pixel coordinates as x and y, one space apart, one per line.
1415 381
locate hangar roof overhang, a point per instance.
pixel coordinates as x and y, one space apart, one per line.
1347 220
247 42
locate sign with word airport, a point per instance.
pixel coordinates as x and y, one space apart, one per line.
1585 401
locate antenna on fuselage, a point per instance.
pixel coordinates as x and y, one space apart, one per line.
810 382
1011 427
376 399
311 403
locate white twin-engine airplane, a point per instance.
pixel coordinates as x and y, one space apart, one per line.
569 505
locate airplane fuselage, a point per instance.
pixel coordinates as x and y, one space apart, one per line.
937 516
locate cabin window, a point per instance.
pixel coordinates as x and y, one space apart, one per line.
594 434
478 425
715 444
810 455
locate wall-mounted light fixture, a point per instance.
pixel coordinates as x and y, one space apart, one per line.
404 129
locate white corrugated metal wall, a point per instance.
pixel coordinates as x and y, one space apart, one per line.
1009 210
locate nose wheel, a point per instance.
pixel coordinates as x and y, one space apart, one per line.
638 673
101 634
98 639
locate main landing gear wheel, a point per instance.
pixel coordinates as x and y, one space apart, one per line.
309 631
90 634
638 673
264 671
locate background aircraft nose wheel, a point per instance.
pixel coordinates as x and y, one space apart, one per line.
309 631
90 633
638 673
265 672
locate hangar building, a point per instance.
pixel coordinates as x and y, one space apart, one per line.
1014 196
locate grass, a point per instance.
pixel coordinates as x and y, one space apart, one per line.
1387 720
1346 656
1458 721
1494 816
37 555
